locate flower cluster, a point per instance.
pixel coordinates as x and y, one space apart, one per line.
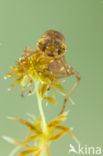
34 69
40 139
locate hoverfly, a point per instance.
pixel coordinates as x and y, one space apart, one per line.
52 43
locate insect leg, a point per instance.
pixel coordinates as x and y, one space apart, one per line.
27 53
22 89
69 71
30 85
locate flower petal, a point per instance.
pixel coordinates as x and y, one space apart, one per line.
56 136
67 130
50 99
57 120
14 150
60 87
24 122
29 151
43 89
17 81
38 153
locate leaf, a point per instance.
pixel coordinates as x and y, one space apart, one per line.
18 148
43 89
50 99
57 136
15 150
10 140
31 138
57 120
59 87
23 153
46 78
24 122
38 123
13 75
67 130
17 81
38 153
16 69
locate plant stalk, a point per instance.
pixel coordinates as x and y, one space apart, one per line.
44 127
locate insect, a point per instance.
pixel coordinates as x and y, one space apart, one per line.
52 43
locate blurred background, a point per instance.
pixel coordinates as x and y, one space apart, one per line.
81 21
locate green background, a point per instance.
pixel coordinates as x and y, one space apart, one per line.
22 22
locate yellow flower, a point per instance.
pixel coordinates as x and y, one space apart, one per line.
35 69
37 141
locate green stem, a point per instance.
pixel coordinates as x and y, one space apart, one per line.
41 108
